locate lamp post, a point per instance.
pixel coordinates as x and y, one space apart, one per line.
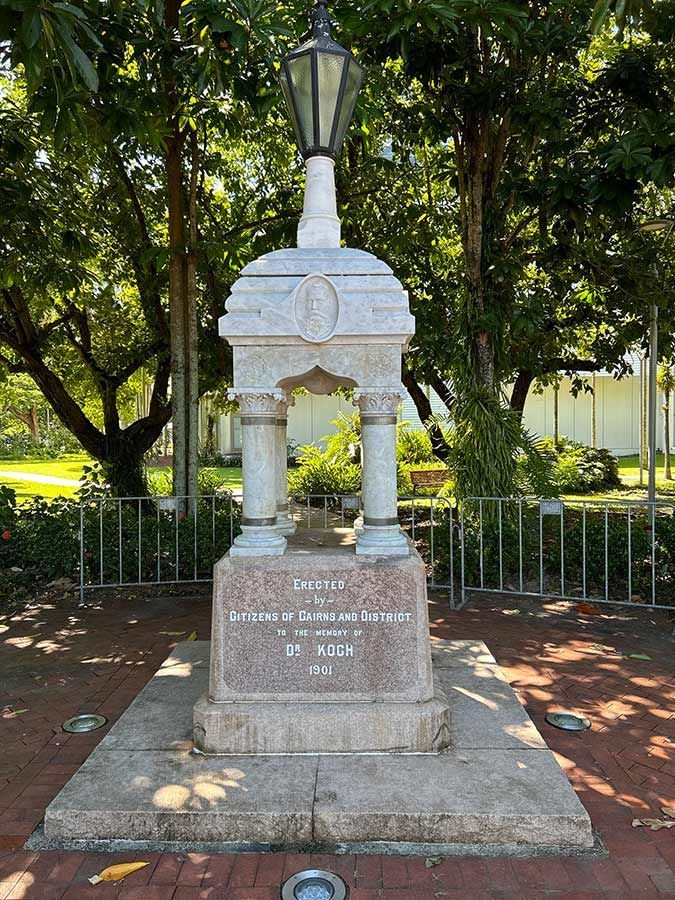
654 225
320 81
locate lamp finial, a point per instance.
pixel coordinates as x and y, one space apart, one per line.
320 20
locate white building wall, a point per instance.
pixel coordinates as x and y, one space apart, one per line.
310 418
617 416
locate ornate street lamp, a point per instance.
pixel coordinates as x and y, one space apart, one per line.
320 81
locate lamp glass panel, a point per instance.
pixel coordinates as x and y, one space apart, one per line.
300 69
283 79
354 79
329 68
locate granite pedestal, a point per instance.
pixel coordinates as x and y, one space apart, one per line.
320 651
496 789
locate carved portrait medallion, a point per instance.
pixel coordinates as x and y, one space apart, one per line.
317 307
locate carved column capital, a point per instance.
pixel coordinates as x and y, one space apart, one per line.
257 403
284 405
378 401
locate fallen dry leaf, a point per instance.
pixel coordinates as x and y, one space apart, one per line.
192 636
638 656
9 713
432 861
668 811
654 824
172 633
117 872
587 609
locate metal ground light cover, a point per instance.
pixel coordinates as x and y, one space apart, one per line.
568 721
83 723
314 884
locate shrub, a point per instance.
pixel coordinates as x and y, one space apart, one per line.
55 441
209 481
320 472
345 442
44 538
413 447
578 469
220 460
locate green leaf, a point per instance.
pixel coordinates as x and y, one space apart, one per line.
80 60
599 16
69 8
31 28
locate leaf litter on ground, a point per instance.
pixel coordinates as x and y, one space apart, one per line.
654 824
117 872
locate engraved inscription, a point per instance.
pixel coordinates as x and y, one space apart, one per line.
321 637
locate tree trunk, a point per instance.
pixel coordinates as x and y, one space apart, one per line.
120 452
474 239
210 444
439 444
124 469
30 419
666 436
34 425
177 274
191 335
521 389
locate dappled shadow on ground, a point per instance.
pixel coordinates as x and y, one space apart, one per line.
58 659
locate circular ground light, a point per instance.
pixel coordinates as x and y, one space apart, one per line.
568 721
314 884
82 724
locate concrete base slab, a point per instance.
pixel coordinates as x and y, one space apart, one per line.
259 728
499 786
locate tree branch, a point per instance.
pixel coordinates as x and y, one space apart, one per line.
439 444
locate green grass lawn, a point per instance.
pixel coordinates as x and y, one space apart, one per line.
70 468
629 467
629 472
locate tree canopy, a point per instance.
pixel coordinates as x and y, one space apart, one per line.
502 157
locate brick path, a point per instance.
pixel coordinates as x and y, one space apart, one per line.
57 660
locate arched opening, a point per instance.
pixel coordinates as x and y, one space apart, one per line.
317 381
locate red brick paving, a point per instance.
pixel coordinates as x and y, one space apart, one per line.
57 660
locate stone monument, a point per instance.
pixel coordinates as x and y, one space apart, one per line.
317 715
319 648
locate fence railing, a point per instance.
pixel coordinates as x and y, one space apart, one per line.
146 541
619 552
606 551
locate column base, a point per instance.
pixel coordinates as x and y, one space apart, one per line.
381 540
258 541
285 524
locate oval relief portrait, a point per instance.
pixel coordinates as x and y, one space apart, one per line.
317 306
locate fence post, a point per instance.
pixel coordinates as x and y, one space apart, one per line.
81 553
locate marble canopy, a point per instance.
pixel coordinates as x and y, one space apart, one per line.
319 318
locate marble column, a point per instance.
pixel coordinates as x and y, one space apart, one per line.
319 225
285 523
381 534
260 535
